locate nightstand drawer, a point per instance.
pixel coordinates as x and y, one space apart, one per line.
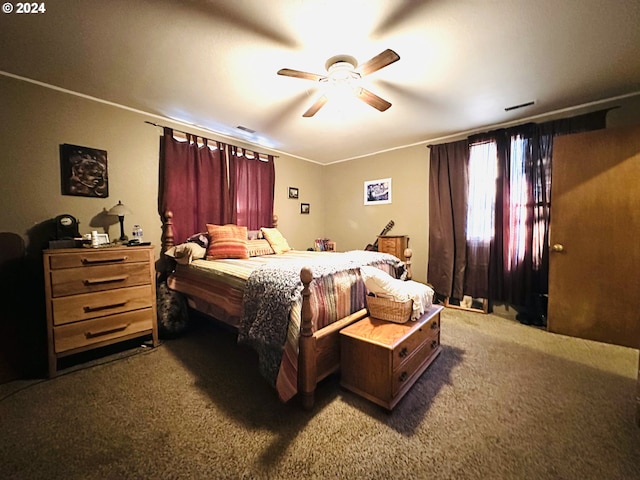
413 342
92 257
93 305
81 334
72 281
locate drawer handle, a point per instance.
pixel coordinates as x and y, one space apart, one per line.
403 353
403 376
434 344
88 309
87 261
434 325
97 281
99 333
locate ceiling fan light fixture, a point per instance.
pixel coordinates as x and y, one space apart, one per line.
343 80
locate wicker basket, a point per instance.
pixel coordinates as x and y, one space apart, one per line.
388 309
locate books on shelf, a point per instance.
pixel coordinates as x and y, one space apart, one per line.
325 245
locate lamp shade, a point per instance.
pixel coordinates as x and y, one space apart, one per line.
119 210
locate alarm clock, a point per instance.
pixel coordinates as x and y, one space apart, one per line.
66 227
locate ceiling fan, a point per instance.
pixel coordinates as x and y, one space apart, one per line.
343 72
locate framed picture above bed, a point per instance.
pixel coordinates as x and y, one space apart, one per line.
293 192
304 208
377 192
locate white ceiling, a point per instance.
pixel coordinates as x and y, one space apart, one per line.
213 63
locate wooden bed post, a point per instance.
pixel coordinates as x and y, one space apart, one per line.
274 221
167 231
306 357
165 265
408 253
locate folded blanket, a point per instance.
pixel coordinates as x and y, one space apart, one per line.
384 285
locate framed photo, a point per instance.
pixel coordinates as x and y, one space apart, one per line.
377 192
293 192
304 208
103 239
83 171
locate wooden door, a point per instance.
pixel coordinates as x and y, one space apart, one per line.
594 269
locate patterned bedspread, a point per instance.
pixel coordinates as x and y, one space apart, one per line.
272 303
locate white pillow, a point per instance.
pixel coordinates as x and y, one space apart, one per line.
185 253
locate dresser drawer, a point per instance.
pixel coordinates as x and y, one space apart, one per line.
92 305
404 375
91 257
81 334
72 281
413 342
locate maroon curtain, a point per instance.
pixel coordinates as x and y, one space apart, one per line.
448 187
252 183
193 185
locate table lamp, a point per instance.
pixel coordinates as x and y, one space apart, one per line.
120 210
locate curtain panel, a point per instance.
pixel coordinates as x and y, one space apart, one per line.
252 182
448 186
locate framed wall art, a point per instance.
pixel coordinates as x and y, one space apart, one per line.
83 171
377 192
304 208
293 192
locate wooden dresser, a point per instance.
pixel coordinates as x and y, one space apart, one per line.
393 244
381 360
98 296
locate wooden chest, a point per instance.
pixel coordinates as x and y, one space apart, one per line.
97 297
381 360
393 244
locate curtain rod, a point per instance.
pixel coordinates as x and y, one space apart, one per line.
213 140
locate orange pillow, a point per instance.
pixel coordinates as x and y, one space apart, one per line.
227 241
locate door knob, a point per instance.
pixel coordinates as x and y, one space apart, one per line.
558 247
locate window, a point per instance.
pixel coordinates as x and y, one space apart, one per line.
483 172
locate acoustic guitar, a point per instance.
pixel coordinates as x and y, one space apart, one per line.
374 247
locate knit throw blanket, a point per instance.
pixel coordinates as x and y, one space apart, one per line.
271 291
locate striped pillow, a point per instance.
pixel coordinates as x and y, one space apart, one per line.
259 247
227 241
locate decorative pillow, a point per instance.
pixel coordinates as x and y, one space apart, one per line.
185 253
259 247
227 241
276 240
201 238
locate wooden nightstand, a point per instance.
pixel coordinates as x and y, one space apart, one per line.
96 297
393 244
381 360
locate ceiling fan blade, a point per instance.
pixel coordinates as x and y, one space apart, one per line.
287 72
372 99
313 109
379 61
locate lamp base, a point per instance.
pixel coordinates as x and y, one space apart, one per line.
123 238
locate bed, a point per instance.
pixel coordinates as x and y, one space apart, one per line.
288 306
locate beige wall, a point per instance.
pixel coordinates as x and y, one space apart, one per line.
36 120
353 225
